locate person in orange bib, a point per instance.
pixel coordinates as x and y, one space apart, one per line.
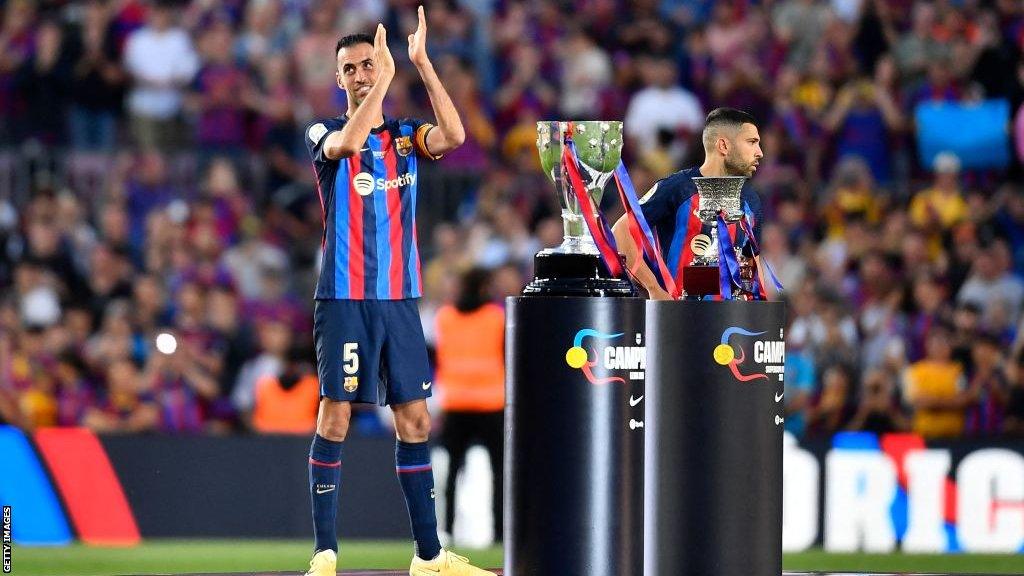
471 383
287 404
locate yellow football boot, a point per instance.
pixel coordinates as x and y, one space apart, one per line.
324 563
446 564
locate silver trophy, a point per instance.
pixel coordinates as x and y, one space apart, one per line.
714 194
721 194
599 148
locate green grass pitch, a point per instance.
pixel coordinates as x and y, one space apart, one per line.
183 556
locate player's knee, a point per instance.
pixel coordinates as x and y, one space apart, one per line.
333 420
333 431
414 428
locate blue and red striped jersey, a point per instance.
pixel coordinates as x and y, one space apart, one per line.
670 207
369 211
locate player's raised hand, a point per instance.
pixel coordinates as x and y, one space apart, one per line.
418 40
382 55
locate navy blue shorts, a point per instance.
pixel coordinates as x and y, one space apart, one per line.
371 351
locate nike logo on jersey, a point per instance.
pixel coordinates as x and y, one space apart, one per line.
427 385
634 401
778 397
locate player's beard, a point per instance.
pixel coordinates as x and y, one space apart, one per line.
736 167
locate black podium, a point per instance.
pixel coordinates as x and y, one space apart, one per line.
574 438
713 457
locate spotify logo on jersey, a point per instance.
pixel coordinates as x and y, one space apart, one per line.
363 183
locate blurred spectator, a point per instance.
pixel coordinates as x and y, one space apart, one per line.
918 48
1009 224
505 239
44 81
148 189
116 339
992 286
852 196
274 130
881 322
219 92
799 388
74 393
16 47
315 60
261 36
935 389
446 264
233 334
879 411
987 387
97 81
161 61
831 411
586 74
829 334
935 210
967 328
931 308
863 118
275 340
481 138
799 25
662 105
471 381
940 85
185 392
1013 424
287 403
790 268
526 91
127 406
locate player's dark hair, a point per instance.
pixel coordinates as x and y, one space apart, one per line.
728 117
352 40
720 118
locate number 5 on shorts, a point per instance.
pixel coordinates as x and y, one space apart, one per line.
350 357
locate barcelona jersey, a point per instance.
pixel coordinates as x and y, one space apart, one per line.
369 212
670 207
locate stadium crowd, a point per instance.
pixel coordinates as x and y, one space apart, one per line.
153 179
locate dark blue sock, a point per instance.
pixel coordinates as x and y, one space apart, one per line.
417 479
324 483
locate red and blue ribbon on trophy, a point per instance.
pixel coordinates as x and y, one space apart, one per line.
639 230
729 266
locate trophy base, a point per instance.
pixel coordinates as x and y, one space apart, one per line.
562 274
702 280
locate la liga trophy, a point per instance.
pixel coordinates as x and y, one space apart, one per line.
576 268
564 396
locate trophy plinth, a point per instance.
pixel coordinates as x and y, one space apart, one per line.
575 267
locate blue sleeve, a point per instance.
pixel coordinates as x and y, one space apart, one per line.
660 203
316 134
